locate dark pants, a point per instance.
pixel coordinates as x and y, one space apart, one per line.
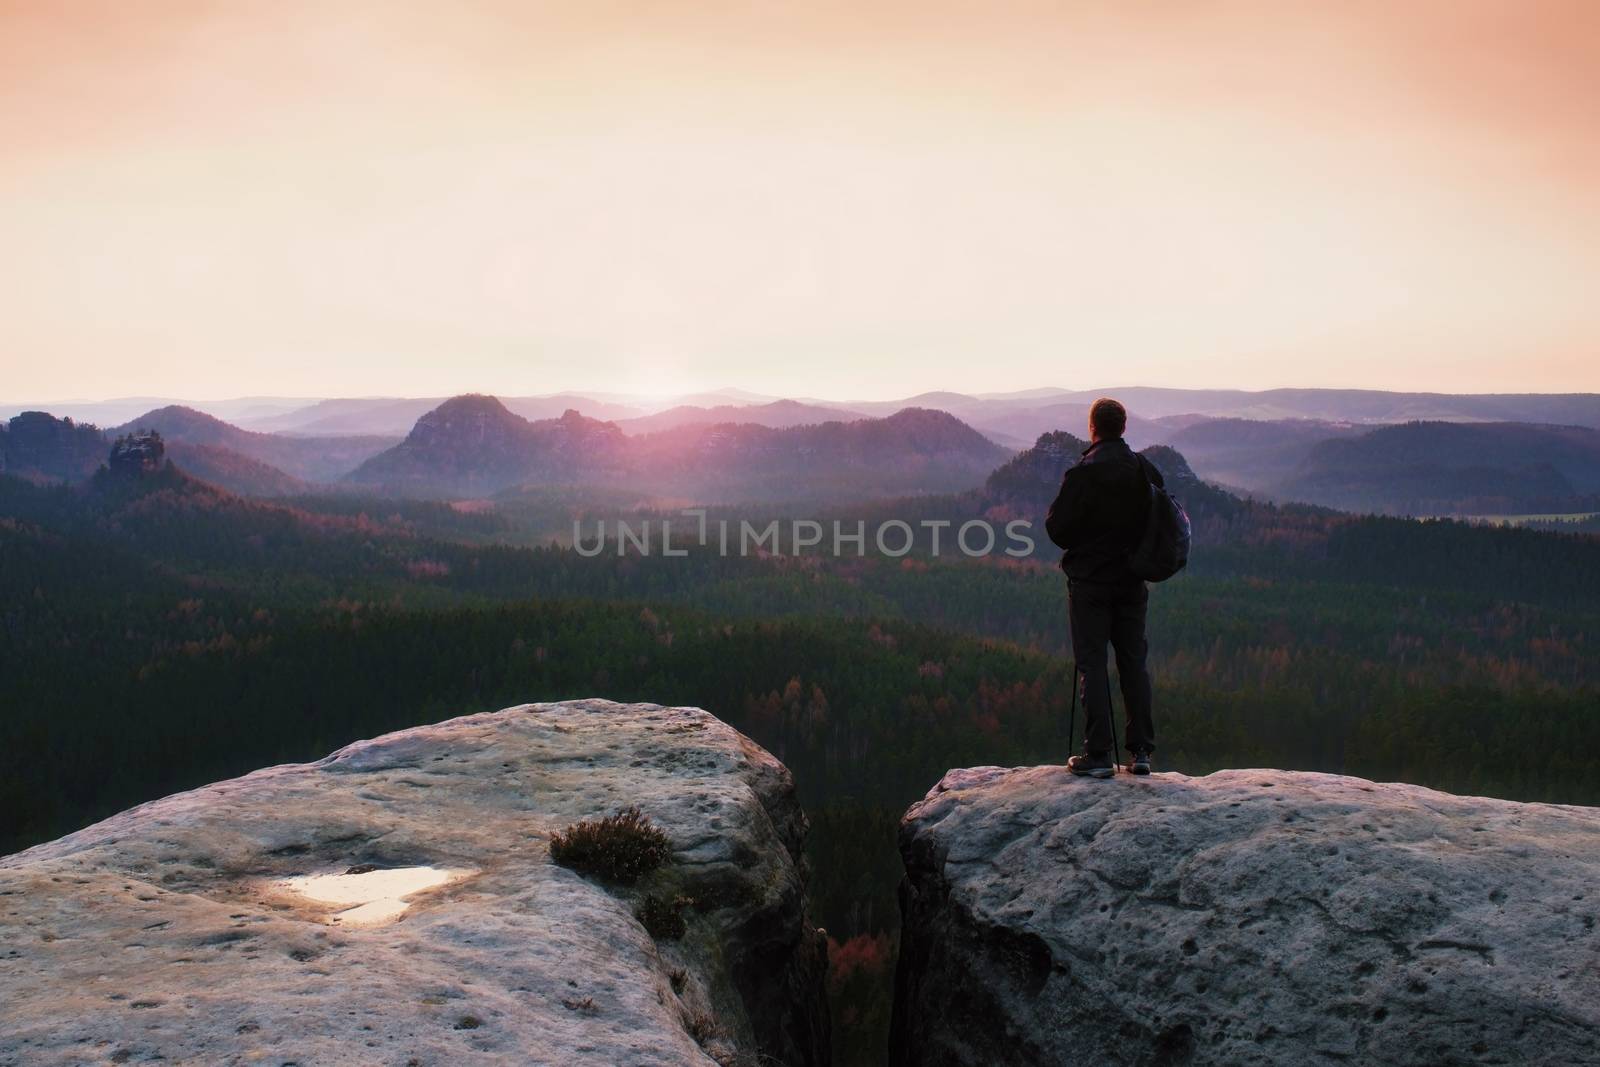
1100 613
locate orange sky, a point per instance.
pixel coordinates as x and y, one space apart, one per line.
827 198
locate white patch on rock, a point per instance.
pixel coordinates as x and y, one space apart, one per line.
173 930
374 897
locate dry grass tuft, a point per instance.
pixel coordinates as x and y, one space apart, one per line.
620 848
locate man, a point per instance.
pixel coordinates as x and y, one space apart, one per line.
1097 518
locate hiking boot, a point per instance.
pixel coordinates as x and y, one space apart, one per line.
1092 766
1139 763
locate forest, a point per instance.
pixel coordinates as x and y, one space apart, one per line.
160 633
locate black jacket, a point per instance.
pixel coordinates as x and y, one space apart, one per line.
1099 514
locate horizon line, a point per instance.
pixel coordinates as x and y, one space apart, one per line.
760 398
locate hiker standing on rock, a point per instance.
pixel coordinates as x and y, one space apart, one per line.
1099 518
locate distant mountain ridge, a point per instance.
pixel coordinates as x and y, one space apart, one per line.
730 450
1434 468
1031 412
473 444
118 410
394 416
1357 405
1254 454
915 450
1013 417
1014 420
779 414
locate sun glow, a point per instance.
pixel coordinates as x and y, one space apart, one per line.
428 199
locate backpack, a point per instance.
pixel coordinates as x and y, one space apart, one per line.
1163 550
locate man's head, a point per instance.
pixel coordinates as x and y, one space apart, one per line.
1107 419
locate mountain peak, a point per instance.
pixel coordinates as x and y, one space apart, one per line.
932 421
473 416
473 404
178 422
178 411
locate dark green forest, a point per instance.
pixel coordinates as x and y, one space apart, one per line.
159 634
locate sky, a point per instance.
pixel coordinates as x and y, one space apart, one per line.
844 199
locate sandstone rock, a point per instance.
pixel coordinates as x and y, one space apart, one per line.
137 455
169 932
1247 917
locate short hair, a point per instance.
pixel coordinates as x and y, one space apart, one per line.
1108 417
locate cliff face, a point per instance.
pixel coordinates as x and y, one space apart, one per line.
176 931
1248 917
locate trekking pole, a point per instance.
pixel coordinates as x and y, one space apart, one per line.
1111 714
1072 715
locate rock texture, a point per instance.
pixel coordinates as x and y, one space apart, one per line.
165 933
1247 917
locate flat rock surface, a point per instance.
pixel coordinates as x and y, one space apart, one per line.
1247 917
169 933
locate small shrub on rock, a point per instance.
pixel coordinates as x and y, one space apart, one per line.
662 916
701 1026
620 848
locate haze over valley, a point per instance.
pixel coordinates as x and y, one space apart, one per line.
1352 450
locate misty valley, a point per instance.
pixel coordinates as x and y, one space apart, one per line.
1400 587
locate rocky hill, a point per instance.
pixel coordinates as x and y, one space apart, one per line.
1030 480
397 903
1033 476
243 458
473 444
43 448
1247 917
137 456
